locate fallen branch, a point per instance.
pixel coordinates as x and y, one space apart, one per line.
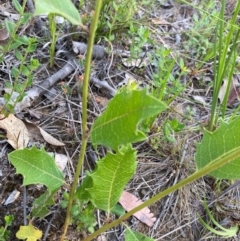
33 93
100 51
103 84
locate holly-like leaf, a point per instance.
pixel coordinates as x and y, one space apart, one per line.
64 8
111 175
37 167
131 235
215 144
29 232
118 124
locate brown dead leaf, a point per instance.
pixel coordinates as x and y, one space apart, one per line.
200 99
17 133
158 21
4 35
38 134
12 197
129 201
234 92
50 139
34 133
61 161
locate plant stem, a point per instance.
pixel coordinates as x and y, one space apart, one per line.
53 27
222 68
215 164
218 67
85 131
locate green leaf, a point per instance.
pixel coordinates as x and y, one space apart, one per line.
32 48
217 143
8 219
118 124
18 41
10 26
25 18
18 55
224 232
131 235
25 70
17 6
118 210
82 193
64 8
37 166
86 217
40 205
4 234
110 177
29 232
15 72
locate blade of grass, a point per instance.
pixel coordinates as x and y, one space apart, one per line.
220 68
217 69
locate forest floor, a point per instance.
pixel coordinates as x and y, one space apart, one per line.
157 38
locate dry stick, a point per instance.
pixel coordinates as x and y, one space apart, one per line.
33 93
235 184
100 51
81 48
103 84
36 91
85 131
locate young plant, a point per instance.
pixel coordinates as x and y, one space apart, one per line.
4 233
22 47
224 64
22 75
116 16
52 9
223 232
199 38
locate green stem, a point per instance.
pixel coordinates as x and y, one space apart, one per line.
13 35
25 84
223 62
217 163
165 81
218 69
53 27
85 131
